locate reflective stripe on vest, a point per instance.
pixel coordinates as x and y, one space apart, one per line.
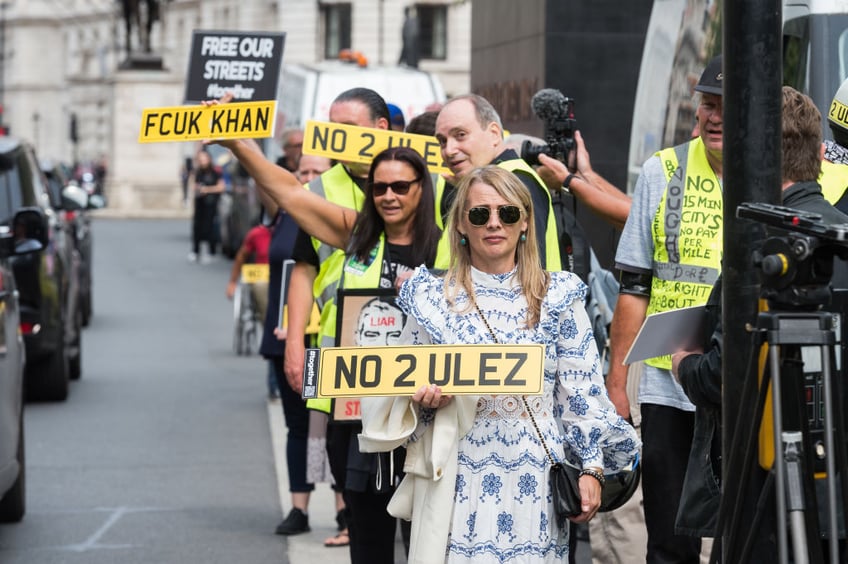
834 181
335 185
320 404
687 232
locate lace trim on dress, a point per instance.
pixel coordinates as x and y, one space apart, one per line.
511 407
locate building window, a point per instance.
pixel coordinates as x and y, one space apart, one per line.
433 30
336 18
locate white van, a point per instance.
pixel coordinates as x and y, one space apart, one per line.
815 49
684 34
306 91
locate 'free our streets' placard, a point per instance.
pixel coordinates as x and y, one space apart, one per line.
244 63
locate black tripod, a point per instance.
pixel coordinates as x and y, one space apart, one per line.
786 333
796 398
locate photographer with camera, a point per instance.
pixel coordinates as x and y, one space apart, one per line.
669 256
699 372
605 200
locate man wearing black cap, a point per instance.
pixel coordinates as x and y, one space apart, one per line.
669 256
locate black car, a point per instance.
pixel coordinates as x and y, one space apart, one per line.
50 321
73 202
12 467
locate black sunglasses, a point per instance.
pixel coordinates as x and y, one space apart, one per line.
508 215
399 187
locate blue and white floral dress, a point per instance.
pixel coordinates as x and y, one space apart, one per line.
502 509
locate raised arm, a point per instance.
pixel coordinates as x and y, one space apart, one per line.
322 219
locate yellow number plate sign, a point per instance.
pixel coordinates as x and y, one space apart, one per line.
355 144
253 273
400 370
193 123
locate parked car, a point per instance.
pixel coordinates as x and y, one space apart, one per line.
12 467
50 321
73 202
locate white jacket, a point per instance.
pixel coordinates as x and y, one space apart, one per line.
426 494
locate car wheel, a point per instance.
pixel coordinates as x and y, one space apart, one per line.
47 379
13 503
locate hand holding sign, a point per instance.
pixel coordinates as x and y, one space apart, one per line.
431 396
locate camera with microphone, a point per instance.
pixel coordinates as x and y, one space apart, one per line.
557 113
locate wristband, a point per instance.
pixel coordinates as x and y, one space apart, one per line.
566 184
595 474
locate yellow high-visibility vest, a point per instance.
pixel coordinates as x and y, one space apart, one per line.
687 232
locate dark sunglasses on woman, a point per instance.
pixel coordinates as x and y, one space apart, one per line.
399 187
508 215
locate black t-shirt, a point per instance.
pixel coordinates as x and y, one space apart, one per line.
397 259
207 176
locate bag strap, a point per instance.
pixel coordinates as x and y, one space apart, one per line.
523 398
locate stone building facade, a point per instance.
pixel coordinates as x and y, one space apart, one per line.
60 62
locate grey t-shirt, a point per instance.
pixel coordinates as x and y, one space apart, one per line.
636 254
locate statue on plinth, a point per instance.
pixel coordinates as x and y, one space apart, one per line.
139 16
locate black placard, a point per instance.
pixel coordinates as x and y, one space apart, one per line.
245 63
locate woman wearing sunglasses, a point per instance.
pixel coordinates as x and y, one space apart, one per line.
478 490
394 233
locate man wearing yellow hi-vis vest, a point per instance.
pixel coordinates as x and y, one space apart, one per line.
669 256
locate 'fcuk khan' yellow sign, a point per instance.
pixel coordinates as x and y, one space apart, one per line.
355 144
192 123
402 370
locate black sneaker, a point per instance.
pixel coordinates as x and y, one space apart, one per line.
296 523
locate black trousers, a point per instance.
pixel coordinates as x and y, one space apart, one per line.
666 441
372 530
297 423
205 212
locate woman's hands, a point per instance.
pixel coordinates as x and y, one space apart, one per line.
431 396
590 498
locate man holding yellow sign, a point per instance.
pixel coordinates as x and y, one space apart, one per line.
477 480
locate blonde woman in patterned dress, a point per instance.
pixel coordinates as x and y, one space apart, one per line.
477 486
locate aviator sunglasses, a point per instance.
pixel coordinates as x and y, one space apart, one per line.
399 187
508 215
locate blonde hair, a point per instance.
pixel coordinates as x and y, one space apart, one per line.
532 279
